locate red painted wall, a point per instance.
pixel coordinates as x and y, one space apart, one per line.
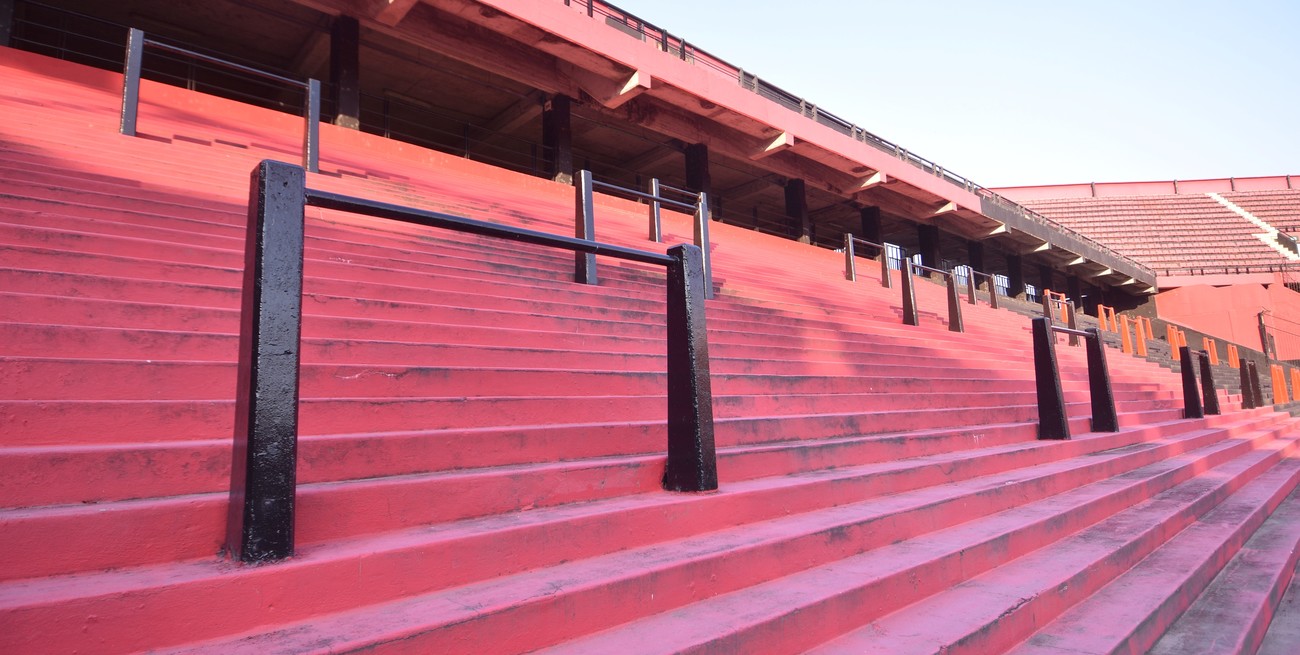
1161 188
1230 313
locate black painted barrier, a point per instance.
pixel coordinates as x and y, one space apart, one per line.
1191 393
1052 420
263 479
1209 392
851 265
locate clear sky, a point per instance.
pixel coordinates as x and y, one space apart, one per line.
1036 92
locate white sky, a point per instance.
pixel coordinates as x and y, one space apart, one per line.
1016 93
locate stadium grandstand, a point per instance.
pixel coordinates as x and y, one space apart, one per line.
515 326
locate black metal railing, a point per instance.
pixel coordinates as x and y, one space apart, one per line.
1198 399
136 43
850 259
1252 396
1051 302
972 287
1052 420
585 220
911 314
263 478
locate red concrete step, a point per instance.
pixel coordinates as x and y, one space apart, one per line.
1131 613
1284 629
801 610
676 516
1018 597
617 583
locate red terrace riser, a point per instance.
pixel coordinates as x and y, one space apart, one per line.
784 545
1094 557
36 379
796 613
36 422
712 512
73 474
1258 525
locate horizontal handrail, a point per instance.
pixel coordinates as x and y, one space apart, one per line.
1072 331
851 265
923 267
263 485
868 243
685 192
137 41
643 195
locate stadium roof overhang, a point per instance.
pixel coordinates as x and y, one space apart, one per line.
556 50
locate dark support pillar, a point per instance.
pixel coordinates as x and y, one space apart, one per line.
975 258
692 459
1074 289
1052 421
1015 277
263 479
1191 395
1092 300
1045 279
557 139
928 235
345 71
6 22
871 229
1209 393
796 208
697 169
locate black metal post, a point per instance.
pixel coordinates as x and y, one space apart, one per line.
970 286
886 278
6 22
1191 395
131 82
656 222
1254 384
702 241
1247 393
584 270
1209 394
850 267
993 293
692 459
1052 421
1104 418
909 295
1071 323
311 135
345 71
263 471
955 322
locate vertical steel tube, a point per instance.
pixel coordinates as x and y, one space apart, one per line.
1104 418
1191 395
1052 421
656 219
311 135
955 323
886 277
131 82
850 266
584 224
263 472
692 459
909 295
970 286
1071 322
702 241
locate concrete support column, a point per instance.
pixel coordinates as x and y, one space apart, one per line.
975 258
6 22
1074 289
796 208
1045 279
1016 277
928 235
557 138
345 71
697 168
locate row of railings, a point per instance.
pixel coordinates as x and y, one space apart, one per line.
136 44
263 478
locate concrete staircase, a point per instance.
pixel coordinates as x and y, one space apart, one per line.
482 440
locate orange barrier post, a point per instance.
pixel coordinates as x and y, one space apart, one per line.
1126 344
1182 338
1150 330
1139 338
1212 347
1171 334
1106 318
1233 360
1279 386
1295 380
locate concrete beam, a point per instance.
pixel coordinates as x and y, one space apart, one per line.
650 158
392 12
783 141
750 188
875 179
511 118
946 208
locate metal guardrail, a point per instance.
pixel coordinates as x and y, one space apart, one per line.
263 477
850 260
1052 420
911 315
585 220
136 42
